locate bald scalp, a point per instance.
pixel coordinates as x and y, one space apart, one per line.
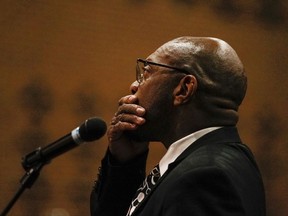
219 71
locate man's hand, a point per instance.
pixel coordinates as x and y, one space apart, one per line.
128 118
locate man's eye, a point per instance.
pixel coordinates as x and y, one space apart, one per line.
147 68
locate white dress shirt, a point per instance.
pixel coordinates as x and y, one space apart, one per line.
176 148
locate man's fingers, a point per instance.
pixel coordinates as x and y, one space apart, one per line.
133 109
127 121
128 117
115 131
129 99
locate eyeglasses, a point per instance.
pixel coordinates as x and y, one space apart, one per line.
140 69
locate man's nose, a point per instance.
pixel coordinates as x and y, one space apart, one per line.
134 87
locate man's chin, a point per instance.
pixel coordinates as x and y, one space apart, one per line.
139 136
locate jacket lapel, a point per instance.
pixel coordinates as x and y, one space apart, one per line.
225 134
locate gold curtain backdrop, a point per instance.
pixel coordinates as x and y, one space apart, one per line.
62 62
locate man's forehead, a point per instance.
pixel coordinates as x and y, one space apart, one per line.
195 46
172 50
176 47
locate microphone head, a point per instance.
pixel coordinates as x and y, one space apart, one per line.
92 129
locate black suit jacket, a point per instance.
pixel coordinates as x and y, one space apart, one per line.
216 175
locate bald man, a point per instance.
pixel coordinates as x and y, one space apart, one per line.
186 96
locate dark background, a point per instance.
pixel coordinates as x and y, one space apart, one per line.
62 61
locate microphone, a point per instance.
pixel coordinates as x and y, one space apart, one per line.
92 129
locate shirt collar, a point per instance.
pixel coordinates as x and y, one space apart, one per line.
176 148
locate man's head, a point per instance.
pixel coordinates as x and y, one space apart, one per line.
203 87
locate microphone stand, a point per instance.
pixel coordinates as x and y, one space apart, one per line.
26 182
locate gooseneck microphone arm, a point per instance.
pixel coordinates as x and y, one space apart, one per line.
26 182
92 129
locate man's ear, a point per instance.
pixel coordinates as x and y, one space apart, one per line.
185 89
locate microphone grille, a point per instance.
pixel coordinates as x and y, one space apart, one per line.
92 129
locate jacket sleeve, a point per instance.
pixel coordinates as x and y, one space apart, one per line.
116 185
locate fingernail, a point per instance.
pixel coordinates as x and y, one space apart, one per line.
140 110
132 98
140 120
